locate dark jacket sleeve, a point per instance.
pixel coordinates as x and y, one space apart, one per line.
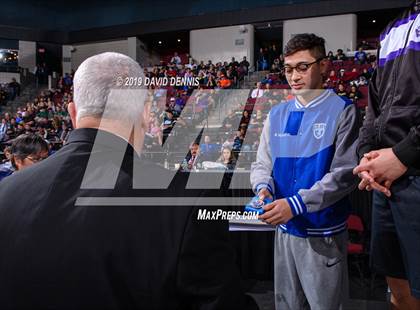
207 274
408 150
367 133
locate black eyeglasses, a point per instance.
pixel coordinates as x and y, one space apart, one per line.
300 67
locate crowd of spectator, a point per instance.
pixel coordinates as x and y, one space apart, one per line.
47 116
346 75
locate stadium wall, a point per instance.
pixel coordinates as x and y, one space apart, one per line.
27 55
83 51
339 31
223 43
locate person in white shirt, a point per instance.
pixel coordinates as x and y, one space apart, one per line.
257 92
176 59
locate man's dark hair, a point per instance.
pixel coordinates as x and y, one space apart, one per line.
306 41
28 144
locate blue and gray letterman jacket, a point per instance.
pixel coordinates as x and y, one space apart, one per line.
306 155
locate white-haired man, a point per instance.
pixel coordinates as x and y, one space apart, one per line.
60 253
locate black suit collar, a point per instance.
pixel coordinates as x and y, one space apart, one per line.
101 137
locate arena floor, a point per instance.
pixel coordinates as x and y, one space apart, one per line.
360 297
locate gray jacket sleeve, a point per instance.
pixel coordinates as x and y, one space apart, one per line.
261 169
339 181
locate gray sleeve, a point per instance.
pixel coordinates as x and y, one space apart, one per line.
339 181
261 169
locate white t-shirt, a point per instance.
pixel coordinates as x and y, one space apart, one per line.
257 93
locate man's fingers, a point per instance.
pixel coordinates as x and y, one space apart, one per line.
388 184
266 215
371 155
363 184
380 188
274 219
364 175
368 183
269 206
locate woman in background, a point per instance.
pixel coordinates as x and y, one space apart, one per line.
227 158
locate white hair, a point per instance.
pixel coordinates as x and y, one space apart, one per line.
100 88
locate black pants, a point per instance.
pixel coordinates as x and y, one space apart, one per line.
395 247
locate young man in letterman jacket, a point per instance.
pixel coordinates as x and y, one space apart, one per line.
389 152
305 159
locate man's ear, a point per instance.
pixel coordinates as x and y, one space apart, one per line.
73 113
324 66
146 114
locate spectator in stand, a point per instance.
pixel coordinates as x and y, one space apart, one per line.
257 121
267 79
245 117
211 82
6 154
365 45
244 65
272 54
226 158
232 74
191 63
25 151
366 74
176 60
341 91
67 80
332 78
275 68
340 55
201 66
41 72
353 75
262 61
232 118
267 90
354 94
224 82
281 60
258 92
360 57
330 56
14 89
342 75
234 63
4 126
208 149
239 139
192 161
168 123
64 132
6 167
360 81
